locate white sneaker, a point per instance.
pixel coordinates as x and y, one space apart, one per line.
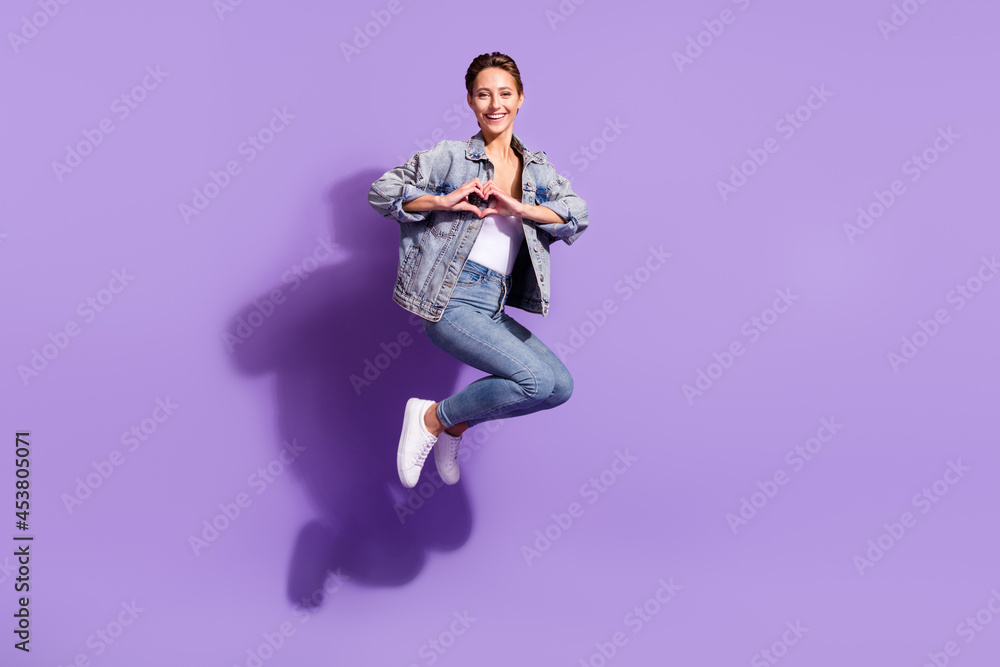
415 442
446 456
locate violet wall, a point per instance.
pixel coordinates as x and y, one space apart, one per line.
782 323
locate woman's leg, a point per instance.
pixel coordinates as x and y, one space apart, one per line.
562 387
525 376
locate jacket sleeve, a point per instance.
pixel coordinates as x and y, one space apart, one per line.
569 206
397 186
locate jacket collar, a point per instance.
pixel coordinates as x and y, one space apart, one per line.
476 148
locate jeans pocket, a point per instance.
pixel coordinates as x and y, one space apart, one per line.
468 278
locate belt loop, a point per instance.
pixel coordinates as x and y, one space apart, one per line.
500 301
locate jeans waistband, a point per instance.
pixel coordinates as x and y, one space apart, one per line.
487 272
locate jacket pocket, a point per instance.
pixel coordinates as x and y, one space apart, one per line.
445 225
406 268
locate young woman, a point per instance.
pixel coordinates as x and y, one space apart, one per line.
477 219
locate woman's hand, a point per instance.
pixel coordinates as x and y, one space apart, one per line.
458 199
502 203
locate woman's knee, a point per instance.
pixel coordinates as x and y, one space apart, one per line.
554 385
562 388
536 383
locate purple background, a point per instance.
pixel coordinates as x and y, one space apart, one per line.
650 183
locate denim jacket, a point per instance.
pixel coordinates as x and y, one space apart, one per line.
434 245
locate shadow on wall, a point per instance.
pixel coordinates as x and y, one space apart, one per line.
347 429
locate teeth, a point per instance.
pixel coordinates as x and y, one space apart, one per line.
496 116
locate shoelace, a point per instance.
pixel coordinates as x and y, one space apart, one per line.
453 444
424 451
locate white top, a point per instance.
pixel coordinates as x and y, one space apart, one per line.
498 242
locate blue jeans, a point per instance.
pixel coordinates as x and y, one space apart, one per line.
525 375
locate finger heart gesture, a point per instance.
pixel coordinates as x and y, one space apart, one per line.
499 202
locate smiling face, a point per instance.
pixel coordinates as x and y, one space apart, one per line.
495 100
